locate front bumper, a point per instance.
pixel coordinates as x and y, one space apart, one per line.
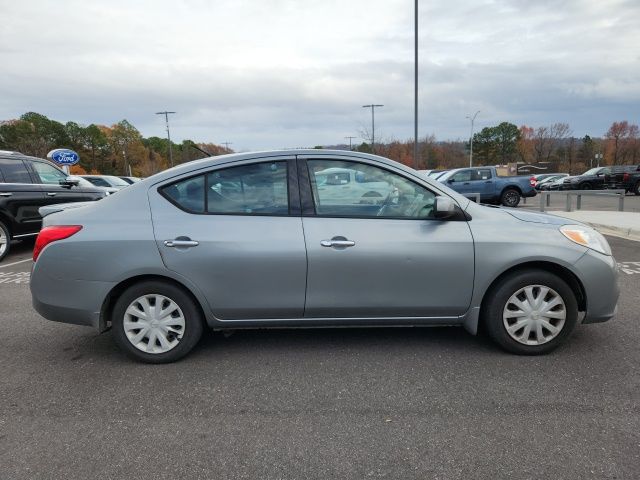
599 276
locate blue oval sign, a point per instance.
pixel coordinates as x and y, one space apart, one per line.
63 156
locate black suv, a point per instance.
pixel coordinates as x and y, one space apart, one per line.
625 177
26 184
590 180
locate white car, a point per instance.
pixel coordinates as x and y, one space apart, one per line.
338 184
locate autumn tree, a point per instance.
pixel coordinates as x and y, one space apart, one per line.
622 144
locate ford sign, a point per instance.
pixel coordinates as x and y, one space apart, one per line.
63 156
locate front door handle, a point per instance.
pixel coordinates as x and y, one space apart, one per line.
181 243
5 194
51 194
338 243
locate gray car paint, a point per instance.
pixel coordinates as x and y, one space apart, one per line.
426 272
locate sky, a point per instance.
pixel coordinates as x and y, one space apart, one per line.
270 74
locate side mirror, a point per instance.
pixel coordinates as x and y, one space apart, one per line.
444 207
451 180
70 181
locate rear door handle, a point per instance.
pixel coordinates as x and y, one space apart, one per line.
51 194
5 194
337 243
181 243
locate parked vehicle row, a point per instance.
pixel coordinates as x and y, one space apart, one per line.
290 238
28 184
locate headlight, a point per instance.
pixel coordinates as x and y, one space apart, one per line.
587 237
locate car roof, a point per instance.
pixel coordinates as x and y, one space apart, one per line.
11 155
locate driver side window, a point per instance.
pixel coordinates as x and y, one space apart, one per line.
372 192
48 174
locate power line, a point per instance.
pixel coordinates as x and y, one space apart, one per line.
166 118
350 138
373 124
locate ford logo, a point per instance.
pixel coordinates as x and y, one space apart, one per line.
63 156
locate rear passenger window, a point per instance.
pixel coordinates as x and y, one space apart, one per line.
259 188
14 171
256 189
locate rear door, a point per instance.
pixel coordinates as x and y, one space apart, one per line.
20 198
385 259
236 232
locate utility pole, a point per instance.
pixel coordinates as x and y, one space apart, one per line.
226 145
166 119
373 124
473 119
350 138
415 100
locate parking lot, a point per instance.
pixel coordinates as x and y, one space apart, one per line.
331 403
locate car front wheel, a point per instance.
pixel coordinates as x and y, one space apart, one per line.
5 241
636 188
530 312
156 322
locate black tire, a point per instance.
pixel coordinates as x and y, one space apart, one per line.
586 186
636 188
5 241
192 318
496 301
510 197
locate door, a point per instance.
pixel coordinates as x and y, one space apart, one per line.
483 183
236 232
385 259
20 198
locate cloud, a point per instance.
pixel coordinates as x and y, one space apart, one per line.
283 73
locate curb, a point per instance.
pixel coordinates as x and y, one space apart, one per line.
626 233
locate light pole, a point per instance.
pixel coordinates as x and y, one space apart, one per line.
415 100
473 119
226 145
373 124
166 119
350 138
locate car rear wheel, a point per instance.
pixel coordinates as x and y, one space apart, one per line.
5 241
530 312
510 197
156 322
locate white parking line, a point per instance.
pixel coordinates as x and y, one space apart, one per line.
14 277
15 263
629 268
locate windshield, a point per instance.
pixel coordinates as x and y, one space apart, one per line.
115 181
593 171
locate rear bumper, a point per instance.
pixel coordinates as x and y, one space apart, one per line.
78 302
531 193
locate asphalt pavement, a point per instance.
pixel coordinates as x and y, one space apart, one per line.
428 403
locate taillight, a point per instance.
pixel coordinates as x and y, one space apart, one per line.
532 181
53 234
625 177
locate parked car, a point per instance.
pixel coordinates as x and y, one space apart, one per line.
130 180
492 189
28 183
626 177
553 185
538 177
283 253
592 179
546 182
435 174
87 184
106 181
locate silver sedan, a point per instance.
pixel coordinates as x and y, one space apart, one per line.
314 238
